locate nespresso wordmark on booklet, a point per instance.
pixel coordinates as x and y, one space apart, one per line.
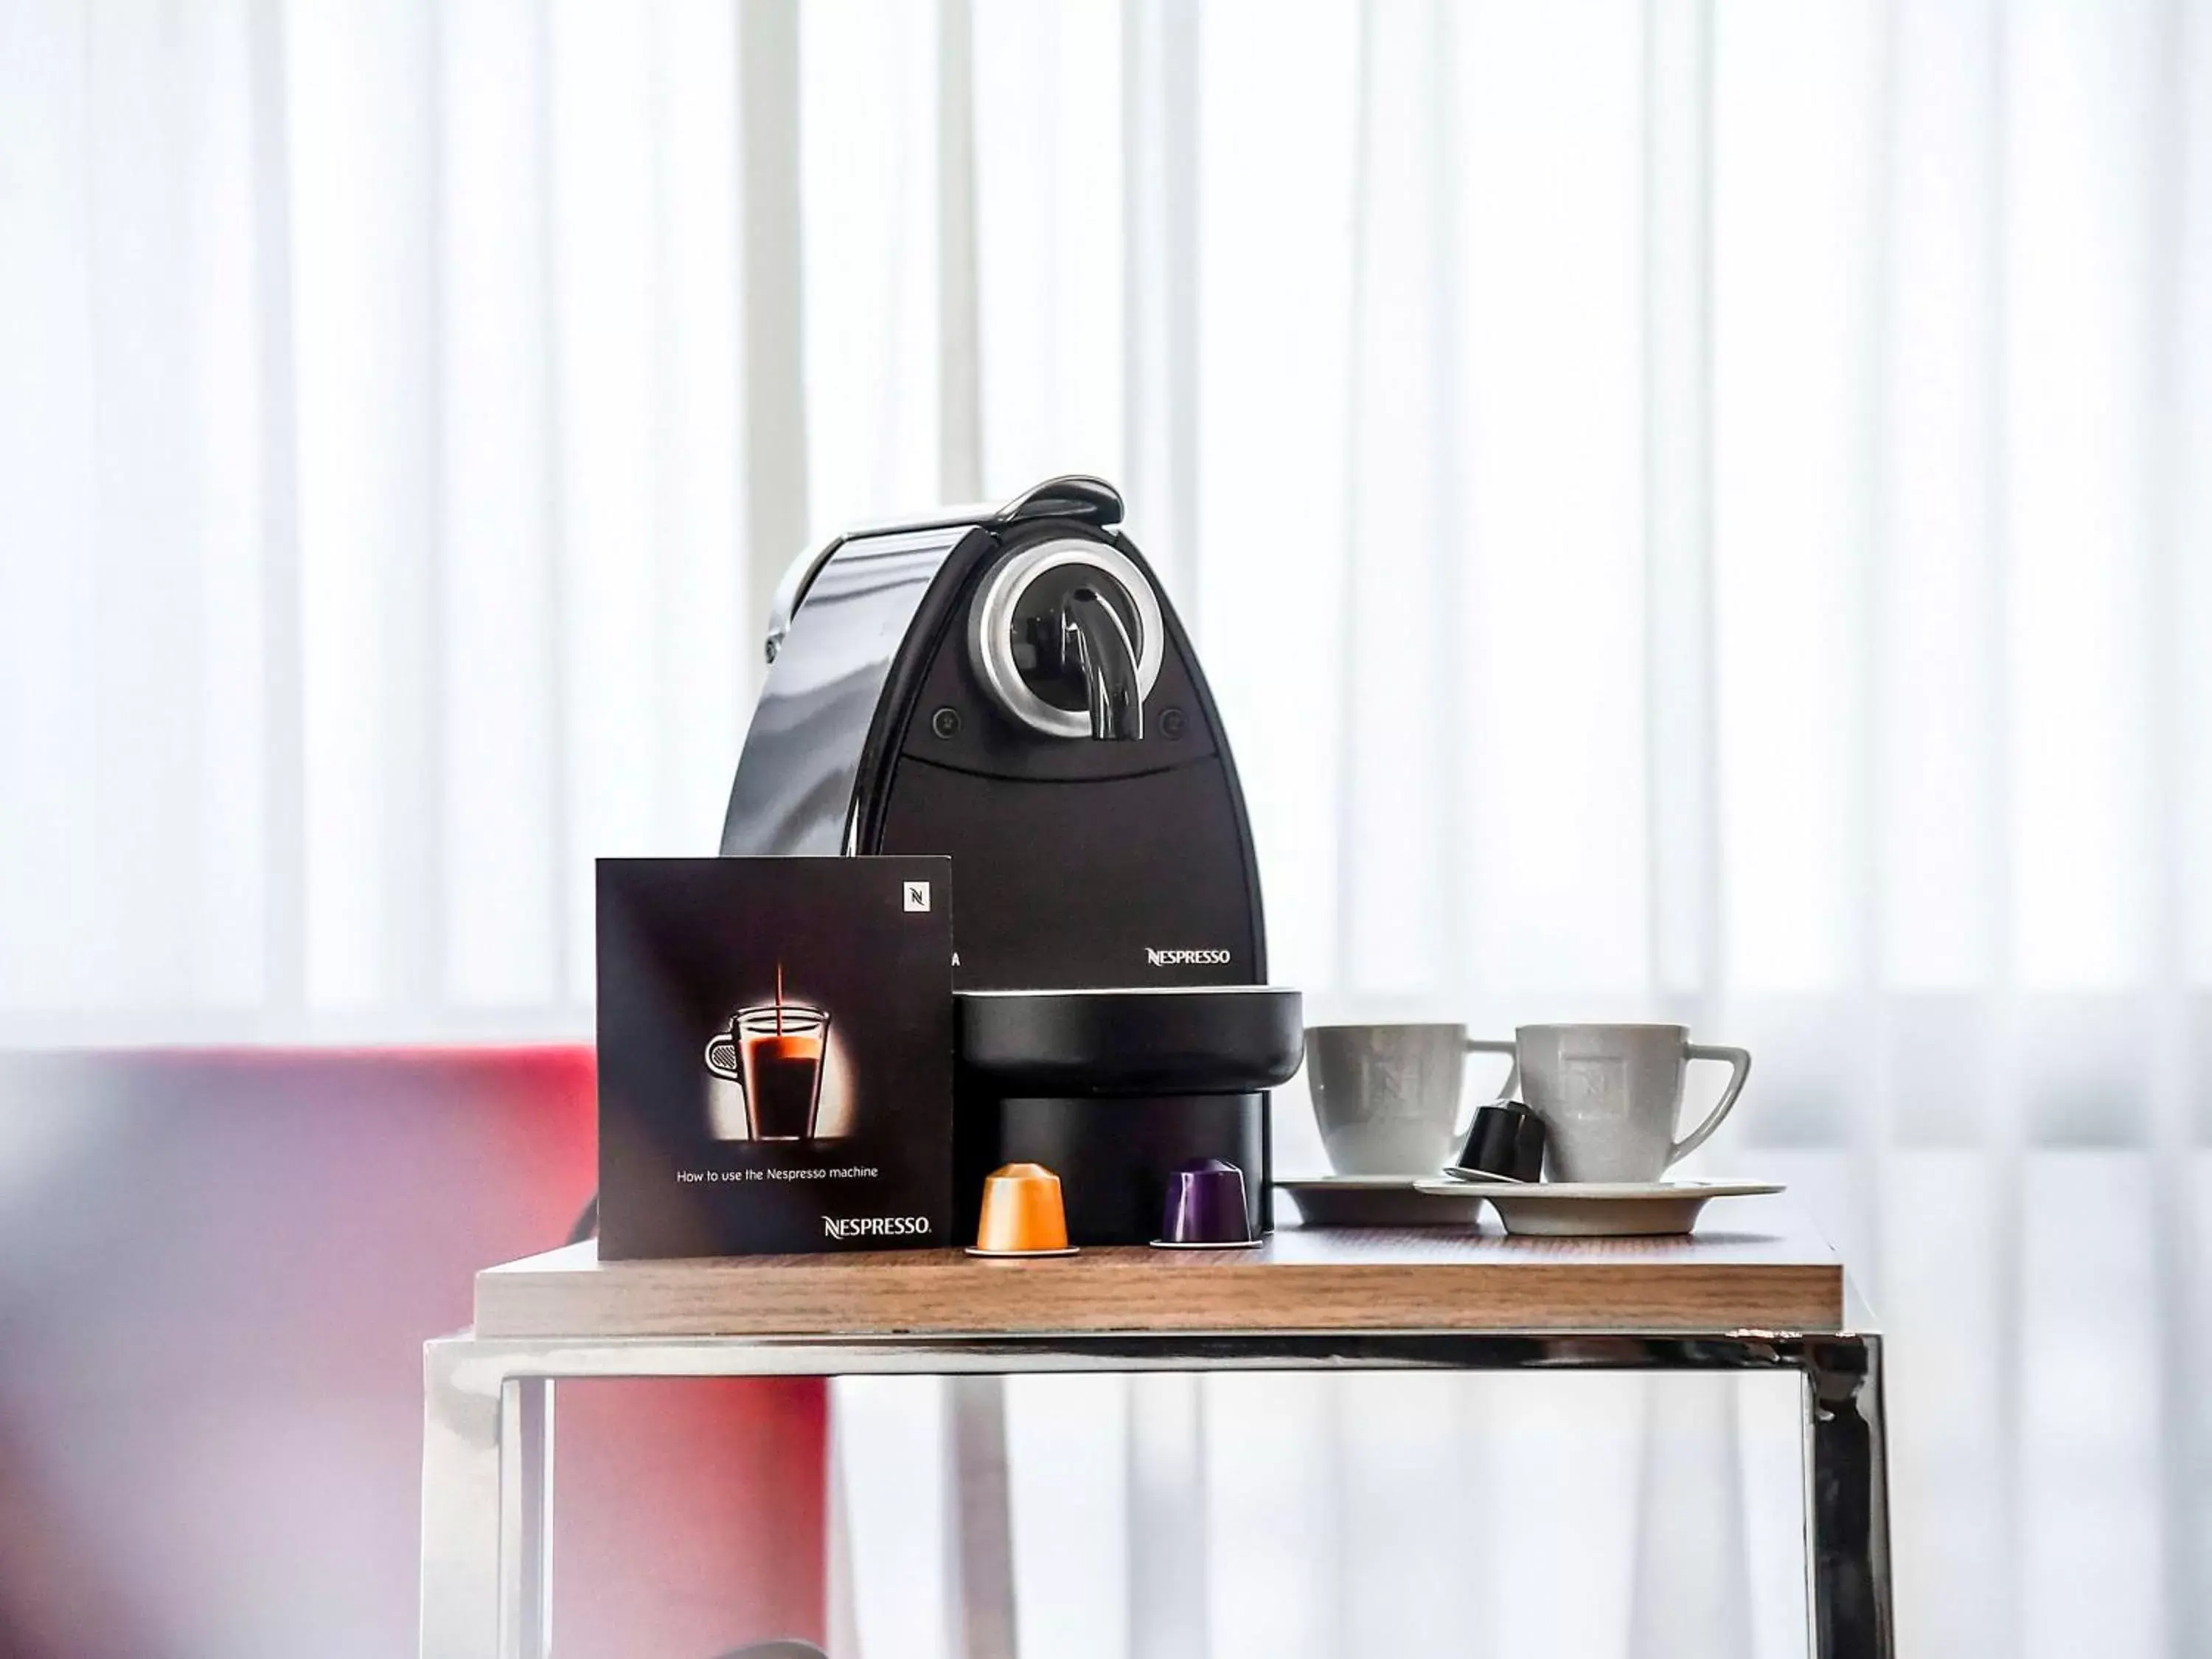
775 1055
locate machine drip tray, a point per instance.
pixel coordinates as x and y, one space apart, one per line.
1164 1039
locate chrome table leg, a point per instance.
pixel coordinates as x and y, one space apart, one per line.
526 1542
462 1524
1846 1498
487 1507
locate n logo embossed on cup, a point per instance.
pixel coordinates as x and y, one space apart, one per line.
1592 1079
1387 1094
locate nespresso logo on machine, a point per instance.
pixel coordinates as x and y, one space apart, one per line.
874 1226
1184 958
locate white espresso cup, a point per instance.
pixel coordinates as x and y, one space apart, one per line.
1611 1096
1386 1097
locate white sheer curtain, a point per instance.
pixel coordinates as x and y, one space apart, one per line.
1690 506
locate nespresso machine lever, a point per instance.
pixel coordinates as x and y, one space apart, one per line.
1095 648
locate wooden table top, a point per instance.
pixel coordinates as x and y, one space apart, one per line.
1754 1264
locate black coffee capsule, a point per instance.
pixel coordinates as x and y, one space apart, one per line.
1507 1140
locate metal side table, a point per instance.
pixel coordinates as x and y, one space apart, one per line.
1759 1290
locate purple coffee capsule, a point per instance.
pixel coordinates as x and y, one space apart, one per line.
1205 1204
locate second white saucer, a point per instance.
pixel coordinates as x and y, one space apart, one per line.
1593 1209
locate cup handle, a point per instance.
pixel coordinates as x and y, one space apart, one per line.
722 1057
1494 1046
1739 1061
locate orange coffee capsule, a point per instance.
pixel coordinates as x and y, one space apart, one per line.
1022 1210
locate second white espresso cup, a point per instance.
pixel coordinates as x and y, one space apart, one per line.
1611 1096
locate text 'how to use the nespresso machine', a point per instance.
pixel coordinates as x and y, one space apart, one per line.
1009 686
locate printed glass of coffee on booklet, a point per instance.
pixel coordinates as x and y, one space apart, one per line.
775 1055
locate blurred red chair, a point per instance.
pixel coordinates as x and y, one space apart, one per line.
217 1271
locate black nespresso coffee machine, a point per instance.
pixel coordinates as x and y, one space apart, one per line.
1009 686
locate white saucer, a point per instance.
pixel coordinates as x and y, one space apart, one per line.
1381 1202
1599 1209
1021 1255
1236 1244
